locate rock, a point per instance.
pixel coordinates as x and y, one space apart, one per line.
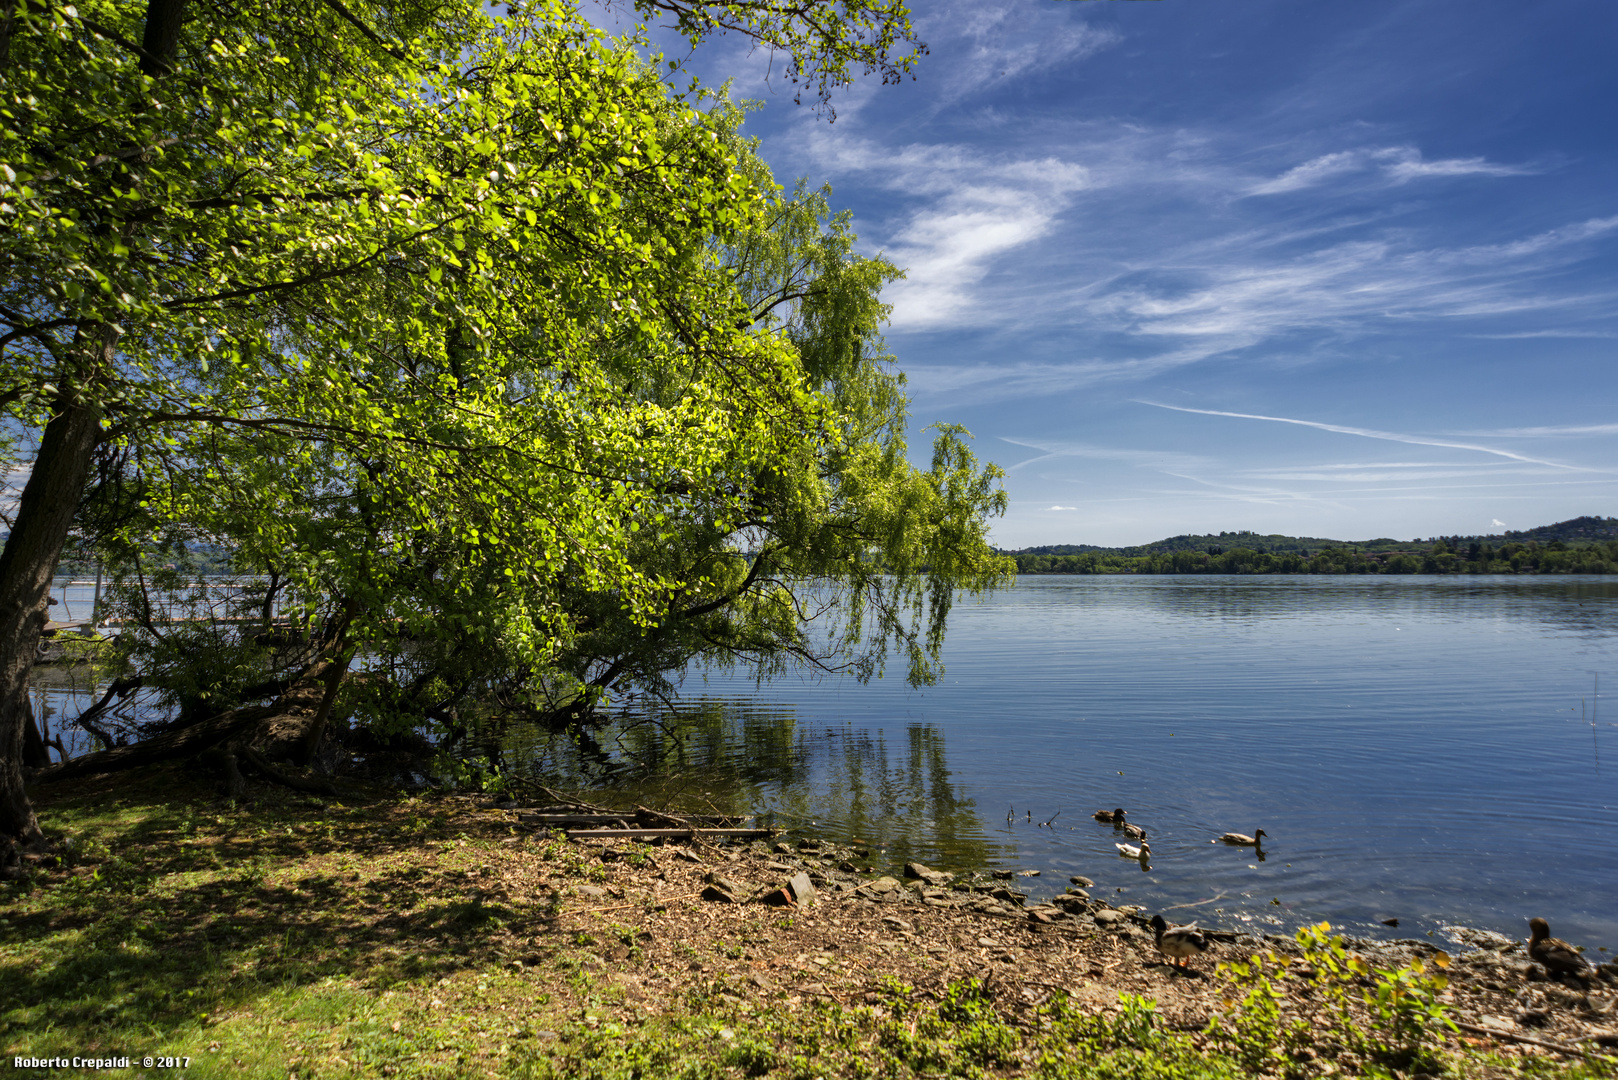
722 889
1038 915
995 909
1028 873
1080 893
1481 939
1009 896
781 868
594 892
1076 905
920 872
777 898
893 922
802 890
1082 882
687 854
783 848
1109 917
1004 875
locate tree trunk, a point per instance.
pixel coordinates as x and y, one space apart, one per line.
44 516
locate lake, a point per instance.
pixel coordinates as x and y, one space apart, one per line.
1421 748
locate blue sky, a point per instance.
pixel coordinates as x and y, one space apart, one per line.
1343 270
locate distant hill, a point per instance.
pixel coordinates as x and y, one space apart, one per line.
1576 532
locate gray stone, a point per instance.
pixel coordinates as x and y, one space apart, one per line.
922 873
1082 882
1109 917
1080 893
1481 939
803 891
594 892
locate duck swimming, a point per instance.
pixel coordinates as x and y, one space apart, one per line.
1179 942
1557 956
1111 817
1134 832
1130 851
1237 839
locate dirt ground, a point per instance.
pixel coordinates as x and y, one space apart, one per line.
863 928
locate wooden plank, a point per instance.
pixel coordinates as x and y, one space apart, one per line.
610 834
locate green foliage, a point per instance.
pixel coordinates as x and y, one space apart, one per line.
1586 545
822 42
1388 1019
491 356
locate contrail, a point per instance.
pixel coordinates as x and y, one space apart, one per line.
1371 433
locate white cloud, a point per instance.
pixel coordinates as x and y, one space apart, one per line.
1498 522
1371 433
1061 508
1404 163
1386 165
1545 432
978 208
1311 173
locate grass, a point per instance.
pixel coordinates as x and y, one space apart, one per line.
396 936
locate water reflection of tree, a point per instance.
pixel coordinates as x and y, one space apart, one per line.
747 757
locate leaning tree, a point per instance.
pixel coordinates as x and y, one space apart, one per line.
205 207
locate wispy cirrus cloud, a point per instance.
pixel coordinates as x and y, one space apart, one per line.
1162 460
1387 164
1548 432
974 208
1371 433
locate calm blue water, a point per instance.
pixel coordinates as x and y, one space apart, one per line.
1413 746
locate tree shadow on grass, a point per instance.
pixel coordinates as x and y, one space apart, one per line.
168 910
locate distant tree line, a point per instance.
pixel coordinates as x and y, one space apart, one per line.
1444 556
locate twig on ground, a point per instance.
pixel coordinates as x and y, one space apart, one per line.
1512 1036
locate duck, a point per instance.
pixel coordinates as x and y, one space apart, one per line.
1111 817
1130 851
1134 832
1556 955
1179 942
1240 839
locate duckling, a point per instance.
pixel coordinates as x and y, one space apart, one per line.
1134 832
1110 817
1237 839
1130 851
1179 942
1557 956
